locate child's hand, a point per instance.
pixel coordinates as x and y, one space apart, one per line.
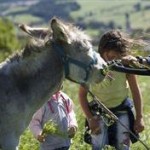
71 131
94 124
128 60
41 138
139 125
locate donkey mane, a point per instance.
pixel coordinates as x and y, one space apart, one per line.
75 29
27 54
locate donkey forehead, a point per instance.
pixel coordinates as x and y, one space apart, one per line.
81 51
82 46
81 41
79 36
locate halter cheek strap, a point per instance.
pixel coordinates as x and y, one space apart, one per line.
86 67
66 60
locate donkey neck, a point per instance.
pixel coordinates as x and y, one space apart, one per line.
36 78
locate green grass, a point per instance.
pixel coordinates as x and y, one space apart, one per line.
16 9
72 90
26 19
99 10
144 84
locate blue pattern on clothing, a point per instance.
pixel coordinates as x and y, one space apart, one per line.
126 105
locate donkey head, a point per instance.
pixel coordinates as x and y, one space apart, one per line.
81 63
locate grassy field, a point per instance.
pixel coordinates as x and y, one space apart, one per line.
28 142
96 10
99 10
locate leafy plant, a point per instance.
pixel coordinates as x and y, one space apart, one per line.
8 39
51 128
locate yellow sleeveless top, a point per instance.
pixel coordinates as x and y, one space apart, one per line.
112 91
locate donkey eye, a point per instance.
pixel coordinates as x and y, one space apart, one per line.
61 33
77 46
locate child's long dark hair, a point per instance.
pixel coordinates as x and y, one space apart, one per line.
117 41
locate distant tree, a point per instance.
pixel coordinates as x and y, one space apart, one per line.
8 39
128 23
137 7
50 8
111 25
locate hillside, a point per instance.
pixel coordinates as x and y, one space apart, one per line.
91 15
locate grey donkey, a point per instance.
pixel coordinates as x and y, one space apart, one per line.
30 77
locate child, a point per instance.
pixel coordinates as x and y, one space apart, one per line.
59 110
115 96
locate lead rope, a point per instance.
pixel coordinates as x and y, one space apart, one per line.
115 118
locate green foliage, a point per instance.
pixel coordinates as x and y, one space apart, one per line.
28 142
84 12
51 128
8 39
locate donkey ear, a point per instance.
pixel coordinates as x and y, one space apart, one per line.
34 32
60 31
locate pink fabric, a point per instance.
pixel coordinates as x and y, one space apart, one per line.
55 96
35 124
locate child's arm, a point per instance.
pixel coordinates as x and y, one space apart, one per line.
73 126
72 115
92 120
35 124
129 60
137 98
84 102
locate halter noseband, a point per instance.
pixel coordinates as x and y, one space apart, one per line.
66 60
